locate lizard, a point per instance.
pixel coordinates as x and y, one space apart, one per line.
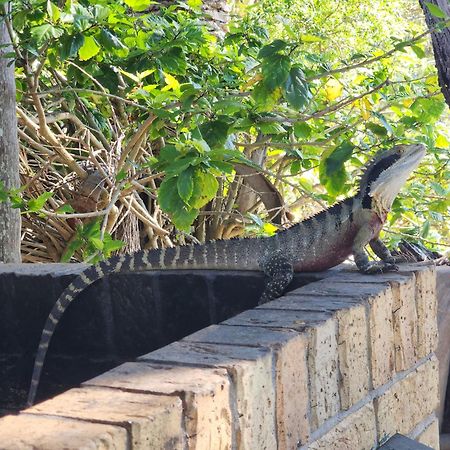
315 244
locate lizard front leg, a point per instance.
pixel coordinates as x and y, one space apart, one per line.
279 271
363 238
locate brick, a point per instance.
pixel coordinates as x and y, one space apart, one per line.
430 435
292 393
426 306
353 353
206 394
292 396
356 431
278 318
240 335
404 322
297 301
323 373
254 383
153 421
335 286
381 337
408 401
28 432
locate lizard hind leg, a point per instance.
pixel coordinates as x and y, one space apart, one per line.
279 272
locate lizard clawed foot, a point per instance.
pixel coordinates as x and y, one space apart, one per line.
374 267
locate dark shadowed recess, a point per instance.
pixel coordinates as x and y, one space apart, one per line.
114 320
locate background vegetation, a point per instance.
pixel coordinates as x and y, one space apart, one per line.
142 125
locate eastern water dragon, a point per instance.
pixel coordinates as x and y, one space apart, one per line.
317 243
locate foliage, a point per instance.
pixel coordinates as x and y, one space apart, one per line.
163 109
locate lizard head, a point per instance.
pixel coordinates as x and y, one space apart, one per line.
386 174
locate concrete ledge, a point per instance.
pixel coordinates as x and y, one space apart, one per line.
341 363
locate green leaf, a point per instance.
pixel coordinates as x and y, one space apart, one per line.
435 10
89 48
376 129
215 132
274 47
276 71
183 218
302 130
419 51
185 184
109 40
229 106
111 245
139 5
425 229
195 4
205 188
121 175
181 214
53 11
101 13
46 32
65 209
70 45
297 91
427 110
438 188
264 97
271 128
174 61
331 169
168 197
36 204
96 242
295 167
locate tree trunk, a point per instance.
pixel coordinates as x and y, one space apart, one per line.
441 45
9 151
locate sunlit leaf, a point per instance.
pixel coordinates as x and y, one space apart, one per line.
89 48
435 10
139 5
333 89
44 33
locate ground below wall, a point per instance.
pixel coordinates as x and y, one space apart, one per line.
341 363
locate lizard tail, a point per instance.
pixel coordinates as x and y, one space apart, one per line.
86 278
219 255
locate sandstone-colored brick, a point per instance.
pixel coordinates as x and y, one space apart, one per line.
426 306
404 321
292 393
408 401
153 421
356 432
430 435
28 432
353 351
292 396
279 318
323 373
254 381
381 337
337 286
206 393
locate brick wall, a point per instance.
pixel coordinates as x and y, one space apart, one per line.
341 363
